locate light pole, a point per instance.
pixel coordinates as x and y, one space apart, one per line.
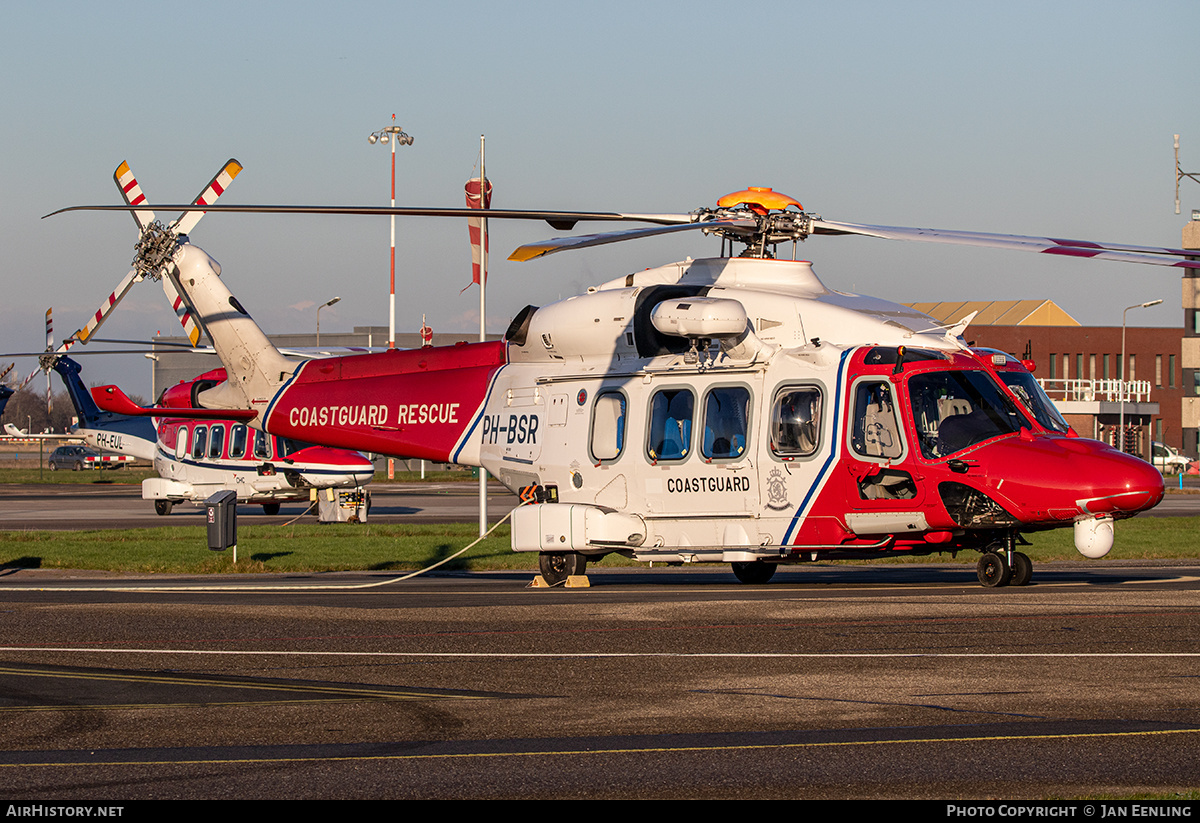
395 135
1125 370
323 306
153 358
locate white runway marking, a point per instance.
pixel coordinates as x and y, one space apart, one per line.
584 655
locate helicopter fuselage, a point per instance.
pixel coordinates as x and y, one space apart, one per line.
732 410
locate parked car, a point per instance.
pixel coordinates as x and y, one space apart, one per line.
75 458
1167 460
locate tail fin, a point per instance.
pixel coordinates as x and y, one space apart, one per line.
115 432
89 413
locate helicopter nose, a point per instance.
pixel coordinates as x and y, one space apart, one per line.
1119 483
335 467
1054 479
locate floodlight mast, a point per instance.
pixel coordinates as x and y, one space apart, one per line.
396 136
1125 370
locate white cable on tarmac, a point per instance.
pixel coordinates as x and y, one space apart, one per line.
330 587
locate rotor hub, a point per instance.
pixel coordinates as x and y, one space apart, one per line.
154 250
761 218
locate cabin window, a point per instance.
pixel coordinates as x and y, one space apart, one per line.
181 442
262 445
796 422
289 447
199 442
216 443
876 432
954 410
608 426
237 442
726 423
671 413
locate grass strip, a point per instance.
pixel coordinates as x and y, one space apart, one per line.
394 547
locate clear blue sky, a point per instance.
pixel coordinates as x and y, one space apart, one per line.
1021 117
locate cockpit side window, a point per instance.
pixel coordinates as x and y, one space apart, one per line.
876 431
671 414
953 410
1026 388
796 421
262 445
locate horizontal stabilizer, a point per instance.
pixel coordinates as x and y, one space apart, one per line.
112 399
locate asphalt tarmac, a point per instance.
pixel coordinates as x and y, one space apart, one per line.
120 506
832 681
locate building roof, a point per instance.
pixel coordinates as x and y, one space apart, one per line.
999 312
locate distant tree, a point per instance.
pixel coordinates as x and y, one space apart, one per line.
27 410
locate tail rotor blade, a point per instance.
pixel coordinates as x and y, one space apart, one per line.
187 318
132 193
215 188
105 309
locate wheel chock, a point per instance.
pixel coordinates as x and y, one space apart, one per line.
575 581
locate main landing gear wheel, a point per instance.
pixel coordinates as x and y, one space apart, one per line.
1022 569
556 568
270 508
756 572
162 507
993 570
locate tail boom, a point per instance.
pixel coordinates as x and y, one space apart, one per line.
420 404
256 368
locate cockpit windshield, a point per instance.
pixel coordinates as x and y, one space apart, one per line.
1030 392
954 410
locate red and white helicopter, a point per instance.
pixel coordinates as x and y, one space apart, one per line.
196 458
200 453
725 410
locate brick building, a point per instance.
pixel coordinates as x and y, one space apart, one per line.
1082 370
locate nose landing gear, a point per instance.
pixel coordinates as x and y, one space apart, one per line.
1002 565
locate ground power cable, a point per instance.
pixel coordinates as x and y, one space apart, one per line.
322 587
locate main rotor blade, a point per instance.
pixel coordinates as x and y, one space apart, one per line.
76 354
153 342
558 219
1152 255
532 251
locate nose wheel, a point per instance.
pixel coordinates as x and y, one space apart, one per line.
1022 569
994 569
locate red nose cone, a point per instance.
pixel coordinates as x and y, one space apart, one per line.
1051 478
